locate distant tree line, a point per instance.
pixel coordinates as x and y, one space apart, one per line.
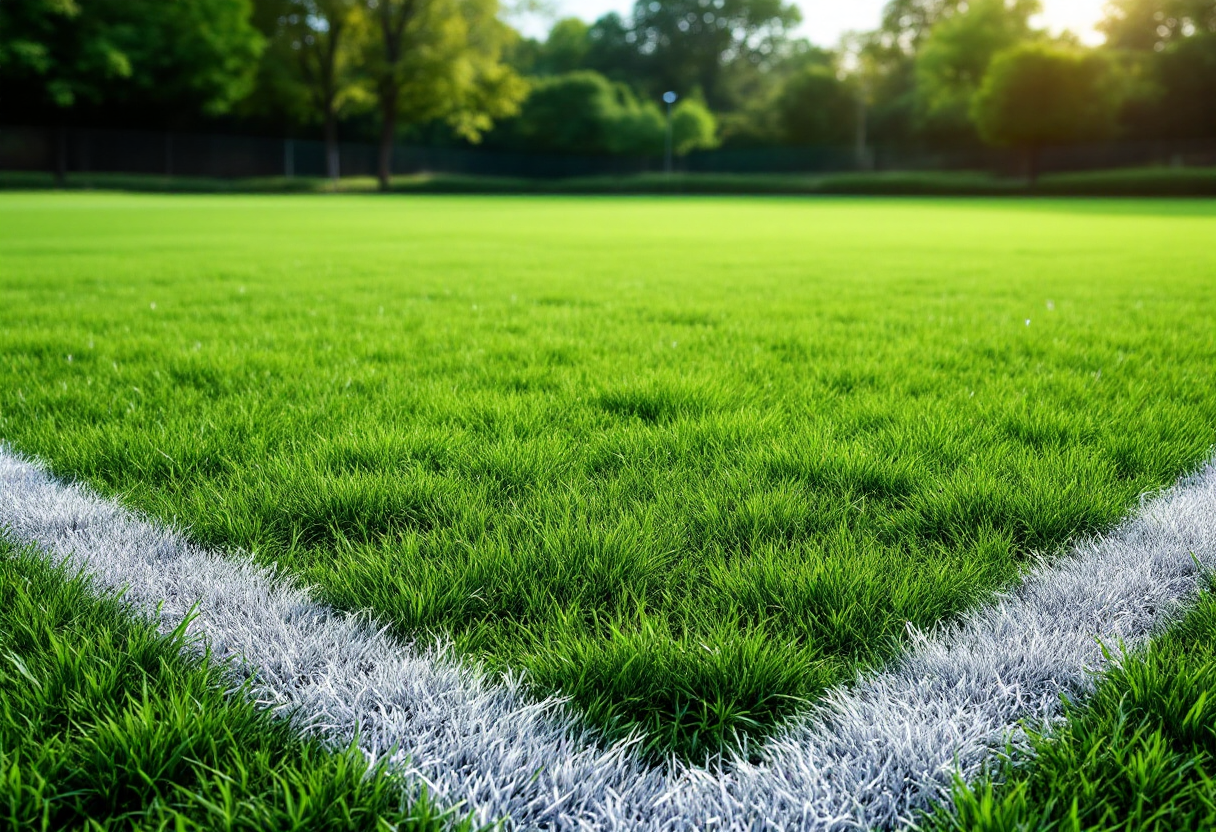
949 74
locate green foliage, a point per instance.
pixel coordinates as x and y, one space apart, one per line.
1139 757
1040 94
584 112
1170 47
192 53
686 461
1151 25
693 127
1185 74
952 61
690 45
439 59
107 725
906 23
565 50
816 107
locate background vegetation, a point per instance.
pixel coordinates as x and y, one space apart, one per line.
942 74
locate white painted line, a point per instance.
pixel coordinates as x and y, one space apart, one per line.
867 756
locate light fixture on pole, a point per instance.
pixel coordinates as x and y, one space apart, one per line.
669 98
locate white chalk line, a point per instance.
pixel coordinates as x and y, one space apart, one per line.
868 755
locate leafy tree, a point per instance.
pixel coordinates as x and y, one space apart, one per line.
314 55
167 60
612 50
954 56
566 49
47 46
906 23
1169 47
174 57
690 45
1185 72
584 112
1040 94
815 107
693 127
885 66
1154 24
710 47
438 59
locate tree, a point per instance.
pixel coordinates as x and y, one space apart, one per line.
438 59
884 66
815 107
906 23
693 127
584 112
56 54
1185 73
692 44
316 43
1169 46
954 56
1152 25
706 47
185 55
566 49
170 59
1040 94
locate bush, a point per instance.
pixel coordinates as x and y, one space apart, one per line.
1039 94
693 127
816 108
583 112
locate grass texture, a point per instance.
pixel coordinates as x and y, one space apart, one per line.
687 461
870 755
109 725
1140 755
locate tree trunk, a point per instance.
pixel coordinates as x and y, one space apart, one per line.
331 144
388 132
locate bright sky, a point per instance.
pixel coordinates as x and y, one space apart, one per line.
825 20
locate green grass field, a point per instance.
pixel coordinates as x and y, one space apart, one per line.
107 725
1140 756
686 461
1124 182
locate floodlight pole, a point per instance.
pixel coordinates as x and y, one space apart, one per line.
669 98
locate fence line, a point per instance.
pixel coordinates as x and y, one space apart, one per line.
198 155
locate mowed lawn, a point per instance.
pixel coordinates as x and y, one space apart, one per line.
686 461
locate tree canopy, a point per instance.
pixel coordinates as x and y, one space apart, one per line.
448 71
954 57
1039 94
437 59
172 58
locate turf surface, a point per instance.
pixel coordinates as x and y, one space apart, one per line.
108 725
686 461
1140 756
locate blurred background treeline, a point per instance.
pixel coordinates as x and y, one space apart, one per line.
937 75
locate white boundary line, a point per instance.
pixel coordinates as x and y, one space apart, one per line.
867 756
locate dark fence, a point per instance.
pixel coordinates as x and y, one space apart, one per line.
178 154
